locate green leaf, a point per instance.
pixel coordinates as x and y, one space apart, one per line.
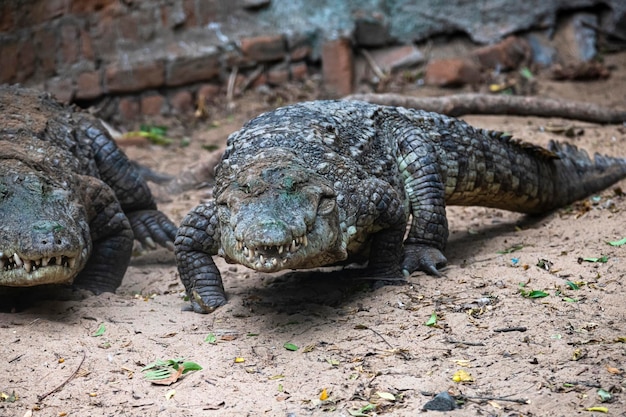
604 395
602 259
362 412
510 249
618 242
191 366
211 338
432 320
572 285
291 347
100 331
526 73
537 294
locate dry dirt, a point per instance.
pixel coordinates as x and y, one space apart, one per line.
360 346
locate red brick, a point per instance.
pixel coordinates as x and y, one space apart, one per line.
189 7
46 46
299 71
8 69
206 11
88 85
90 6
152 105
208 91
7 18
508 54
182 102
45 10
134 77
61 88
70 47
128 108
278 74
260 80
86 46
263 48
104 31
186 70
26 61
338 67
451 72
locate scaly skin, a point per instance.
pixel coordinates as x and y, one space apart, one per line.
70 201
335 182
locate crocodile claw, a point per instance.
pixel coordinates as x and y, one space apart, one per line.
424 258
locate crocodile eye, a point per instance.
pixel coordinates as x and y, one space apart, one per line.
326 205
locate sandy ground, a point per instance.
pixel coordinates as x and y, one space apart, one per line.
370 351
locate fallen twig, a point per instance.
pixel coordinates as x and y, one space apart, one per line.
460 342
373 65
510 329
490 398
460 104
41 397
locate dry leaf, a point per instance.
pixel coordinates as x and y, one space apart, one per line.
612 370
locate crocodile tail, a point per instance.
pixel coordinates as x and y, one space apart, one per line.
580 175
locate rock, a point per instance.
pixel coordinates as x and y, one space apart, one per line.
441 402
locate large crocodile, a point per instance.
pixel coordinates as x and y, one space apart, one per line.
70 201
334 182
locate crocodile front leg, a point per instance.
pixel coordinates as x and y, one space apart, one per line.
111 237
196 242
424 187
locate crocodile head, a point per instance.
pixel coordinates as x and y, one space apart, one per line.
276 214
44 234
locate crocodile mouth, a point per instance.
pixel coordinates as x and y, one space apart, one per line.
21 271
270 257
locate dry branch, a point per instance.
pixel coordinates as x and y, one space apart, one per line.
461 104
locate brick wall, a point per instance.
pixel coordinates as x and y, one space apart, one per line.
150 56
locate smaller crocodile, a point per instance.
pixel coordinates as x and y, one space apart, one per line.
71 203
336 182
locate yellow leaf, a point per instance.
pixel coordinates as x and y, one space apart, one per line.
239 360
463 362
462 376
598 409
170 394
324 395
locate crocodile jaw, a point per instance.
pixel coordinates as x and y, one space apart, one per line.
20 271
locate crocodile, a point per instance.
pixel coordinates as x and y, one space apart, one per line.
336 182
71 202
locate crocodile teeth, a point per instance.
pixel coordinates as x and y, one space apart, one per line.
44 261
17 259
28 265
